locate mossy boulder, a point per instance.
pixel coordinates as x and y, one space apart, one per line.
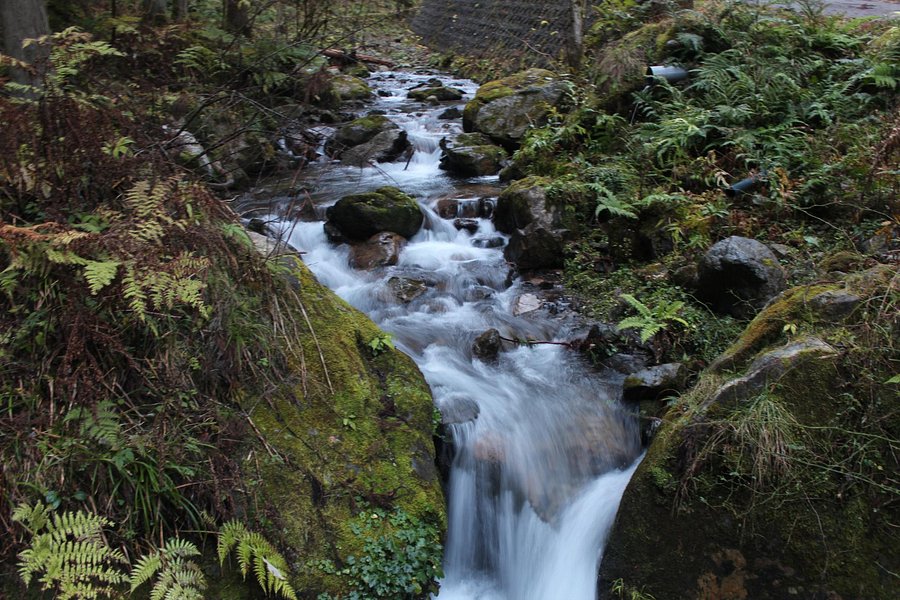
355 431
755 486
505 108
472 155
360 216
524 202
348 87
442 93
359 131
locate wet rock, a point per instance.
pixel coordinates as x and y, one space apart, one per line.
259 226
406 289
626 363
504 109
386 146
360 216
494 241
440 93
535 247
471 155
526 303
523 203
458 409
470 225
450 113
334 234
487 346
651 383
767 369
358 132
738 276
447 208
380 250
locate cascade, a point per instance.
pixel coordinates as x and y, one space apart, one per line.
543 448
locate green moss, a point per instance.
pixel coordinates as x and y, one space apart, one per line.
330 453
348 87
767 327
501 88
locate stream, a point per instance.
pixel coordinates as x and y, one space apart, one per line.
543 447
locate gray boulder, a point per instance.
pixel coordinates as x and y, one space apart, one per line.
523 203
360 216
738 276
471 155
386 146
440 93
535 247
506 108
651 383
358 131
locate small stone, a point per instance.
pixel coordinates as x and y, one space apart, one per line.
470 225
487 346
451 113
526 303
405 289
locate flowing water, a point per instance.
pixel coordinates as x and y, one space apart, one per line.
543 449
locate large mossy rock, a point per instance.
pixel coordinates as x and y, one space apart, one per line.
355 431
359 131
756 485
537 237
472 155
506 108
360 216
348 87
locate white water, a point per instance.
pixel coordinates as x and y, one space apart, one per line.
538 475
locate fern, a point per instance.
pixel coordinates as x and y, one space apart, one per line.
100 274
650 321
179 578
255 553
69 553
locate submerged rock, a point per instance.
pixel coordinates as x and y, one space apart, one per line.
406 289
380 250
487 346
738 276
360 216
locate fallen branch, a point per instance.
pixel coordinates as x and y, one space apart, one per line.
538 342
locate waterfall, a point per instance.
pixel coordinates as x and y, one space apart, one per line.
543 447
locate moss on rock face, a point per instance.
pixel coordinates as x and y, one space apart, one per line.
355 433
784 493
504 109
360 216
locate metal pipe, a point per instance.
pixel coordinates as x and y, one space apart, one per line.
670 74
745 186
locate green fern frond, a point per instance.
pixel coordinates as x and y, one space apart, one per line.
255 553
636 304
144 570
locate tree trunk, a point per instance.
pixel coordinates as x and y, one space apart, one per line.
575 41
21 20
154 11
237 17
180 10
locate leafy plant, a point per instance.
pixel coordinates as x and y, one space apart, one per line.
381 343
401 557
256 554
177 577
650 321
69 553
